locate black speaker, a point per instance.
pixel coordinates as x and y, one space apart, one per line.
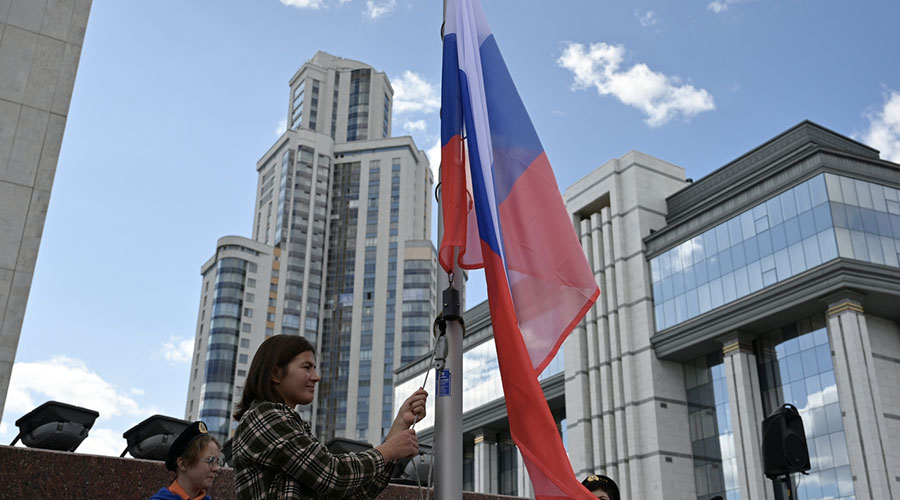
784 449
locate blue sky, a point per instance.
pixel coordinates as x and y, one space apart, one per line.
176 100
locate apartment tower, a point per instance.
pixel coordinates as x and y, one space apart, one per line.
340 254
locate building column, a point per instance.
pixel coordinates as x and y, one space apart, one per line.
523 486
745 402
858 392
486 463
580 359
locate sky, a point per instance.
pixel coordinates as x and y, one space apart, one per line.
176 100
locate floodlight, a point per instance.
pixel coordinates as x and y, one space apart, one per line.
344 445
415 471
55 426
152 438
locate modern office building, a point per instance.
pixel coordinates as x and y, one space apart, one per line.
340 254
772 280
40 46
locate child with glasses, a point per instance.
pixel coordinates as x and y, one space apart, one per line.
194 457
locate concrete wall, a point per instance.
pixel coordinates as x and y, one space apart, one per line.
626 410
40 46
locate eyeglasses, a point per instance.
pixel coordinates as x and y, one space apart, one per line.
214 462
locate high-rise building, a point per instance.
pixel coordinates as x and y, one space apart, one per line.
340 253
772 280
39 52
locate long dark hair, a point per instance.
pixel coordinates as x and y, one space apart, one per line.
273 354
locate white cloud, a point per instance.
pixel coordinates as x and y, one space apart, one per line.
884 128
281 128
413 93
658 96
4 428
66 380
719 6
136 391
434 158
374 10
178 350
303 4
103 442
415 126
646 19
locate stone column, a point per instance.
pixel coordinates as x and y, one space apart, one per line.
858 391
523 486
579 400
745 402
486 463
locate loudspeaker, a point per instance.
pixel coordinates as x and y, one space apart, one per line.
784 449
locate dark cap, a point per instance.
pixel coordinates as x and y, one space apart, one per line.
601 482
181 443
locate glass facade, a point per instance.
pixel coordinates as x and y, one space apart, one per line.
336 335
481 380
358 109
795 367
507 464
712 436
297 105
314 105
866 219
334 102
418 297
221 355
798 229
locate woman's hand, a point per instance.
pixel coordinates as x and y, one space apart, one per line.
399 445
412 410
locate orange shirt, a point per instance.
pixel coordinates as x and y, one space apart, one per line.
178 490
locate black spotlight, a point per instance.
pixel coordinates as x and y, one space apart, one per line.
152 438
415 471
784 447
344 445
55 426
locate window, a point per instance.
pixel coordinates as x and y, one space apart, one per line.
245 342
242 359
248 312
250 297
245 327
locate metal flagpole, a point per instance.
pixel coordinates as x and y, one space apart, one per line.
448 448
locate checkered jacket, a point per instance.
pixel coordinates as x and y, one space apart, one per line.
276 456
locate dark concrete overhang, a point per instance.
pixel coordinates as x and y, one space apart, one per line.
772 307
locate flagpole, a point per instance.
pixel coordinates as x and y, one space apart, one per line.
448 448
448 444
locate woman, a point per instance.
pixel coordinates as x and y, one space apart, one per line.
602 487
275 452
194 457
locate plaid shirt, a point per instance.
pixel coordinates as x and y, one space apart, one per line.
276 456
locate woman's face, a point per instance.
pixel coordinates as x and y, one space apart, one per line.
201 474
297 383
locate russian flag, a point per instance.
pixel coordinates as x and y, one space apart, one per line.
504 212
